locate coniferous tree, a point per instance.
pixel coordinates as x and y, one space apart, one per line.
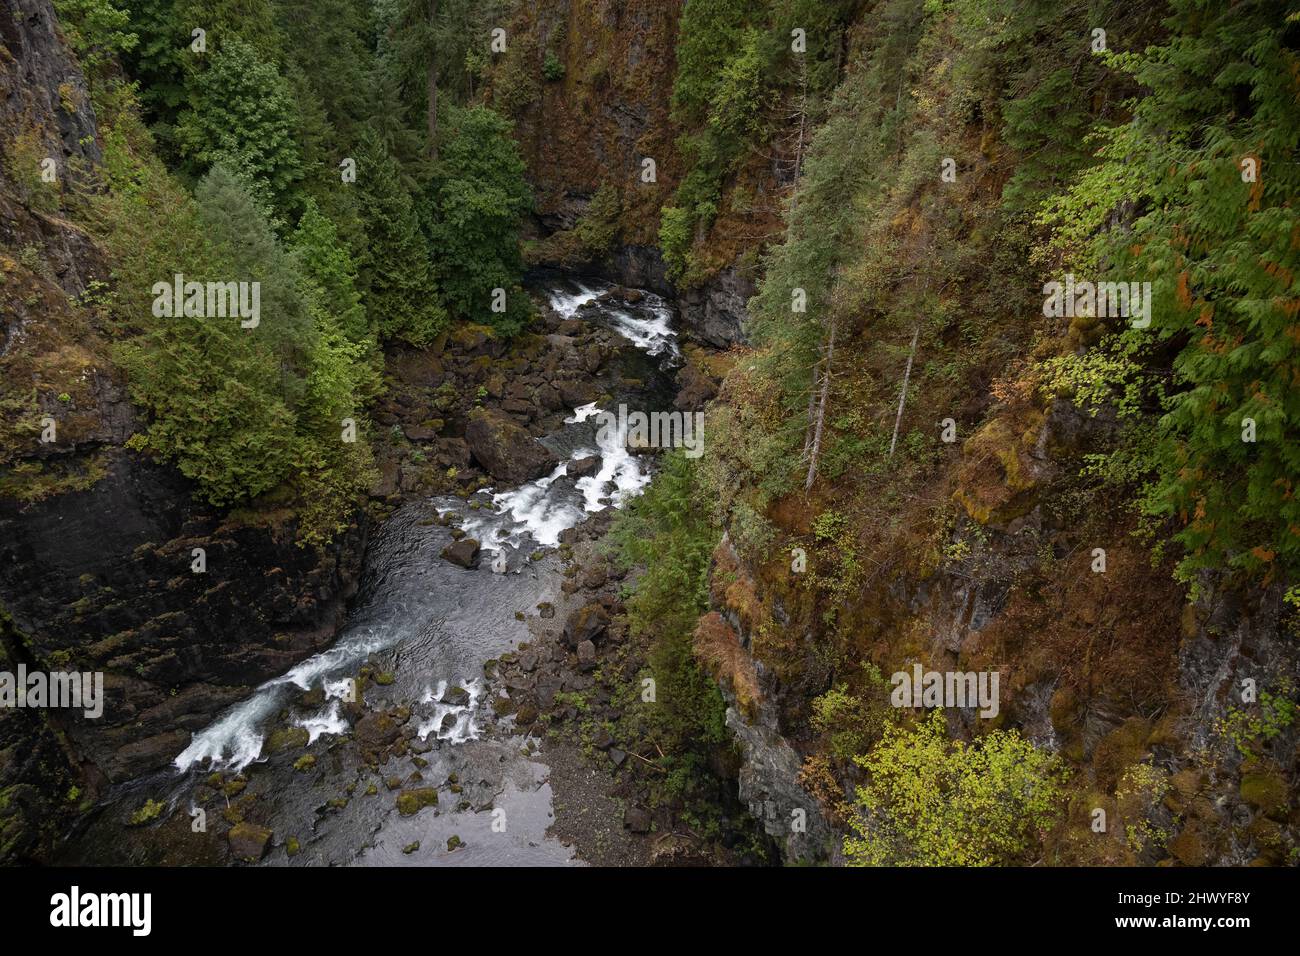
478 197
241 115
400 294
1209 167
327 263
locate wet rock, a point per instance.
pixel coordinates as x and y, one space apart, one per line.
587 623
546 610
581 467
248 842
464 552
617 757
456 697
594 578
504 449
587 655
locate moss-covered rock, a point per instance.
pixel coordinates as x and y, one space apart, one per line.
411 802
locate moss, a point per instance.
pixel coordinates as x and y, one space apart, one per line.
1265 790
1120 749
454 842
411 802
304 763
1188 848
149 812
292 846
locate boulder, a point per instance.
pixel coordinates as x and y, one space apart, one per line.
636 819
582 467
585 624
248 841
504 449
586 655
463 552
456 697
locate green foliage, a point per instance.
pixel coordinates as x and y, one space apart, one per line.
400 292
97 30
240 411
1221 256
668 534
329 265
852 722
477 199
552 67
241 115
1250 728
931 801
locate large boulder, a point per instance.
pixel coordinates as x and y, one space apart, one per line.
582 467
463 552
505 450
585 624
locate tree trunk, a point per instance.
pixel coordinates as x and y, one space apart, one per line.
902 395
821 410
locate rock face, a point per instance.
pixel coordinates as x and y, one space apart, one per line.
103 580
716 311
505 450
96 565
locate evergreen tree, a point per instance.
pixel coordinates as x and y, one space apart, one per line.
478 197
400 294
241 114
327 263
1210 167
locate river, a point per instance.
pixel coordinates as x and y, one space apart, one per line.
427 626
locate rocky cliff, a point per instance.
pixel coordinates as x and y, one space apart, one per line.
588 133
98 545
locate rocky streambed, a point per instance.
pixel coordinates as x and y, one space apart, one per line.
420 736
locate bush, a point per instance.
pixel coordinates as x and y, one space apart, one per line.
931 801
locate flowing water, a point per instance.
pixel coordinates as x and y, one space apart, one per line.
432 625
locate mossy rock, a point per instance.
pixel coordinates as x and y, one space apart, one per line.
286 738
1119 750
372 790
292 846
1265 790
1188 848
304 763
454 842
411 802
248 841
385 678
411 847
149 812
